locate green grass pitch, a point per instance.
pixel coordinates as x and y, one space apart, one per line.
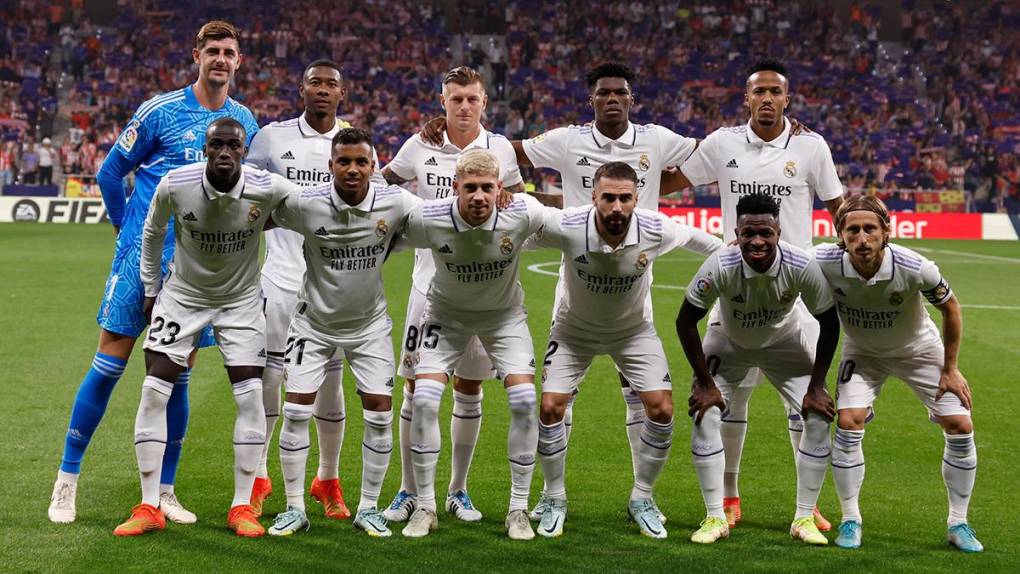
52 280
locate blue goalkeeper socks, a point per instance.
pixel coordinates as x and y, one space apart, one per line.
176 426
89 407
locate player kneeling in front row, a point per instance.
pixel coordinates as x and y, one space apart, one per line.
219 208
608 249
761 325
876 287
347 227
475 292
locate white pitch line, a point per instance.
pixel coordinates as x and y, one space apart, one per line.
540 269
966 254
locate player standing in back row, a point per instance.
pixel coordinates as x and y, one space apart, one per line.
166 132
434 168
877 288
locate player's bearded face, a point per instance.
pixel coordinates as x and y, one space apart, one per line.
614 204
612 100
864 235
464 105
217 61
476 196
758 236
352 166
766 97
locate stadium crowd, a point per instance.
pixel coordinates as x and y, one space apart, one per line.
925 113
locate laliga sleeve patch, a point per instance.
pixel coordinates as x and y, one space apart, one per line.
129 136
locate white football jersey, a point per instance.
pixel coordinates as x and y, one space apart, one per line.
435 169
884 316
791 168
344 249
758 309
577 151
293 149
216 257
476 267
606 287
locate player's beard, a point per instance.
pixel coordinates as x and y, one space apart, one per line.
615 223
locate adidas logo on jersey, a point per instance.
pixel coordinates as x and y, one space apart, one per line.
733 163
389 383
287 155
531 363
581 259
583 162
262 354
321 232
431 161
738 299
189 136
445 249
189 216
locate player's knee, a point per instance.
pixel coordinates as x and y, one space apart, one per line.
243 373
297 412
522 398
377 403
428 393
960 424
466 386
554 407
852 419
160 365
661 413
115 344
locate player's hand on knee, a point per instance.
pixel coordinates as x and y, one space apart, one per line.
432 131
952 381
819 402
147 307
702 399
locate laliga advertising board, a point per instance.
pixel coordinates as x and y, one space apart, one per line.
905 224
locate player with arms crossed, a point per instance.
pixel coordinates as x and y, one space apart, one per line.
433 167
299 149
770 156
166 132
608 248
475 293
877 288
347 226
760 325
221 207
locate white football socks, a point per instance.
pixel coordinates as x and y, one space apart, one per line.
522 442
249 437
813 462
654 443
733 432
464 426
272 380
406 460
425 439
848 471
709 460
150 435
959 467
330 420
552 453
294 444
634 423
376 447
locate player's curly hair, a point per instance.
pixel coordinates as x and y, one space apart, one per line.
216 30
758 204
352 136
324 63
862 203
609 70
477 162
767 64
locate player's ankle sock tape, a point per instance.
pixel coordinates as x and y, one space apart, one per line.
709 461
848 470
272 381
467 406
959 467
89 406
376 446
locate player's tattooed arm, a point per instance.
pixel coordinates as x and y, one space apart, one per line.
797 128
432 132
952 380
817 398
704 392
392 178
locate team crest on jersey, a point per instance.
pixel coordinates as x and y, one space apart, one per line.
506 246
790 169
254 213
538 138
896 298
786 297
941 291
644 163
642 261
381 228
129 136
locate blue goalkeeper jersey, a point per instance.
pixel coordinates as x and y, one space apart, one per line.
166 132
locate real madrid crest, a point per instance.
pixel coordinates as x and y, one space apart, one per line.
790 169
896 298
644 163
642 261
786 297
254 213
941 291
381 228
506 246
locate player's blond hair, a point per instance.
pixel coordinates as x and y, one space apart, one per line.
477 162
861 203
216 30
